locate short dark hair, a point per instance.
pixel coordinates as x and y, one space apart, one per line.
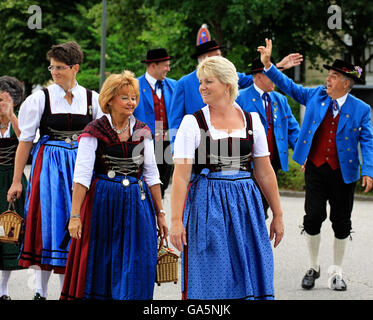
68 52
14 87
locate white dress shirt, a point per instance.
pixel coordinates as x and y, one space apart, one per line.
32 108
87 155
152 82
188 136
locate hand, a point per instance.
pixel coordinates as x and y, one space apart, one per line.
162 225
75 228
14 191
367 183
303 167
276 230
178 235
6 104
290 61
265 53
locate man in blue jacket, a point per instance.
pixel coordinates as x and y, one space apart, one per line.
334 125
187 99
275 113
154 108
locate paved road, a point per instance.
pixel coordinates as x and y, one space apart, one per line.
291 261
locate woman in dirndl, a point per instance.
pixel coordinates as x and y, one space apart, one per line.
113 218
217 210
60 112
11 97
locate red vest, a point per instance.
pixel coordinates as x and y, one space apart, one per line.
160 116
324 147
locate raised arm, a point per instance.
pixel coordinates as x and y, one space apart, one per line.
287 85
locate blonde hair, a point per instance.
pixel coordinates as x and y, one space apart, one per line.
114 84
222 69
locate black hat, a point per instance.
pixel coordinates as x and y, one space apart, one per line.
257 66
157 55
347 69
206 47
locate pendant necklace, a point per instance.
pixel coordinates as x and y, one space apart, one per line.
119 131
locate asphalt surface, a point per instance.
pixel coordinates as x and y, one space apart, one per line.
291 260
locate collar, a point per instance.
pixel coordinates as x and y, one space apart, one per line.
61 92
260 91
342 100
150 79
206 112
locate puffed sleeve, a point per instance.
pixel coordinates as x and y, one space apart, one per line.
96 109
85 161
187 139
260 138
30 114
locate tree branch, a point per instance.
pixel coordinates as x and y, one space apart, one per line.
368 60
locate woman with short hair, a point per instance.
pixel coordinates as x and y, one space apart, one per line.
60 112
217 212
116 202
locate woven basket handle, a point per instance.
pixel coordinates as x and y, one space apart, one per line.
11 206
163 238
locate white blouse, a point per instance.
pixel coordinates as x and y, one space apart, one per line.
7 132
87 154
32 108
188 136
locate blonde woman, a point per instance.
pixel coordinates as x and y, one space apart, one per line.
217 212
113 253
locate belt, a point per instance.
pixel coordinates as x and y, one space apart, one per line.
67 136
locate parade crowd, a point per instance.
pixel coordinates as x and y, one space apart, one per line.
93 203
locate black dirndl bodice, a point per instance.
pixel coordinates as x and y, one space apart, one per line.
223 154
124 158
8 148
64 126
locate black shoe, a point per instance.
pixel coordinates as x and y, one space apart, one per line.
5 297
308 281
37 296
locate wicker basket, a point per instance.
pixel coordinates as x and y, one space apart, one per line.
167 263
11 226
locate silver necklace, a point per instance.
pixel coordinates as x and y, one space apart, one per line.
119 131
3 126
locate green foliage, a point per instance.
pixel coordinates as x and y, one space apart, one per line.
133 27
292 179
295 108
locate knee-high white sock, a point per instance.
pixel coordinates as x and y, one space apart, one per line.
339 248
313 244
5 275
41 281
62 278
